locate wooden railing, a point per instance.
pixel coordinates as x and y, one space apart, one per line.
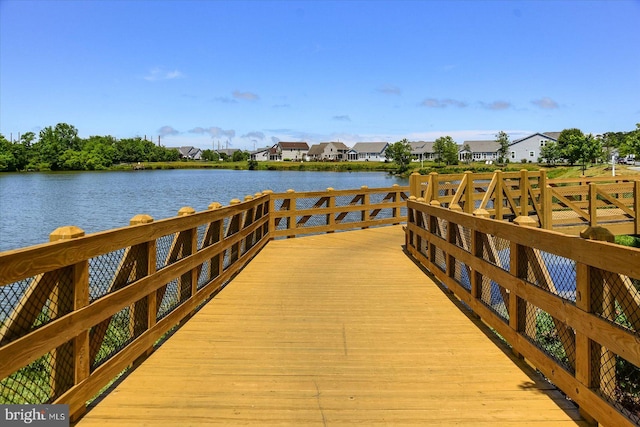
78 311
567 205
294 214
568 305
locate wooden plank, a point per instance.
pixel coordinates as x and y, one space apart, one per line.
358 336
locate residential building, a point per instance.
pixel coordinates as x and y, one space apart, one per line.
261 155
479 151
422 150
368 151
328 151
296 151
528 148
188 152
226 152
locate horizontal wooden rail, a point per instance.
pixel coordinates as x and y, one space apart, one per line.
570 306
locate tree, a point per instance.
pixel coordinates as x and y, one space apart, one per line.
240 156
570 142
632 141
467 153
503 140
551 153
446 150
400 153
210 156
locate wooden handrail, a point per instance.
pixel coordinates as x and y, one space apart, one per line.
509 276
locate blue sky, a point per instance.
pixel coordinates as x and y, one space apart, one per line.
204 73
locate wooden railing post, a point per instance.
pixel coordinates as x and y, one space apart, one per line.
71 361
435 189
188 282
469 205
498 198
214 234
636 205
366 201
524 218
144 312
395 198
331 204
291 218
415 185
593 204
546 196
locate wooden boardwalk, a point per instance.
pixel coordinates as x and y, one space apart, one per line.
337 329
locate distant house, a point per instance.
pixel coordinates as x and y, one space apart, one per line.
422 150
289 151
192 153
368 151
479 151
528 148
261 155
328 151
226 152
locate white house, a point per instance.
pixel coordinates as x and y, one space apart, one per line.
528 148
479 151
328 151
296 151
261 155
368 152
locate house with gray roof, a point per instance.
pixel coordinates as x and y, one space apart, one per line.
528 148
479 151
334 151
368 152
261 154
189 152
422 150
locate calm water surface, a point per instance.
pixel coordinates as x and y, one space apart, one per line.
32 205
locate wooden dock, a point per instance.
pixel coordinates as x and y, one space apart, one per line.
334 329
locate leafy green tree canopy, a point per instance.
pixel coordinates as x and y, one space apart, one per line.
446 150
400 153
503 140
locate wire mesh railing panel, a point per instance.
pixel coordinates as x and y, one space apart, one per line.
170 298
201 230
104 269
10 297
114 337
464 238
551 272
550 335
495 297
496 250
30 384
620 383
205 274
462 274
163 250
439 259
616 298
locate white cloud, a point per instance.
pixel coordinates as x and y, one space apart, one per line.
247 96
254 135
496 105
343 118
156 74
214 131
443 103
545 103
390 90
167 130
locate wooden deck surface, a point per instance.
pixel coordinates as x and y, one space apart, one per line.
337 329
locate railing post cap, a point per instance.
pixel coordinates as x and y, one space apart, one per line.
234 201
421 199
329 188
433 173
66 232
412 198
415 173
364 187
186 210
598 233
455 207
248 197
481 213
258 194
291 190
267 192
214 205
435 203
525 221
141 219
396 185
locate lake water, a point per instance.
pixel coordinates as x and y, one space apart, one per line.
32 205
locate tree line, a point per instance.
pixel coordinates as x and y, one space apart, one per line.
60 148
